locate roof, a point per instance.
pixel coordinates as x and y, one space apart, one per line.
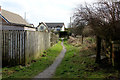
55 25
13 18
43 24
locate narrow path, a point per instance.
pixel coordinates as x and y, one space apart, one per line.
48 73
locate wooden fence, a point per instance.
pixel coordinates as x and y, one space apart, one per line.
112 51
20 47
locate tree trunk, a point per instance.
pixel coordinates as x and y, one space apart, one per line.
98 56
82 39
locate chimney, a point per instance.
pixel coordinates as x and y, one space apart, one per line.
0 9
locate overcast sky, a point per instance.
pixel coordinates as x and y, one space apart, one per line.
43 10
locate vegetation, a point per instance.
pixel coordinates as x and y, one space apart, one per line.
35 67
64 34
87 31
79 63
103 17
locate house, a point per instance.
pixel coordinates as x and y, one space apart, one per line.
42 27
13 21
56 26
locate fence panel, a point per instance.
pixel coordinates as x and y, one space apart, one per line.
13 48
20 47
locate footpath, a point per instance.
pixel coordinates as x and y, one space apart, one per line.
49 72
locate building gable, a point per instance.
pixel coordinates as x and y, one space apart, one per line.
42 27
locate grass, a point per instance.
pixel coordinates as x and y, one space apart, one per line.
35 67
77 63
0 73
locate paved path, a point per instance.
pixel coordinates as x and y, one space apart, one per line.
48 73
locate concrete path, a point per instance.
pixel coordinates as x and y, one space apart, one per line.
48 73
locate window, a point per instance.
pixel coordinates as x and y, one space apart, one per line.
41 27
58 29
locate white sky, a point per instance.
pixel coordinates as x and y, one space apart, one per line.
43 10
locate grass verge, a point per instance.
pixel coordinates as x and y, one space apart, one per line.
77 63
35 67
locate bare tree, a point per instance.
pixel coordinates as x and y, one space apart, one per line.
78 27
103 17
